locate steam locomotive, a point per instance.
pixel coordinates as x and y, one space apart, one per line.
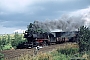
37 36
47 38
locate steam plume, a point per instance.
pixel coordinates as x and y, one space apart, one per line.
65 24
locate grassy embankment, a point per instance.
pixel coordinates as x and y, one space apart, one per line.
61 53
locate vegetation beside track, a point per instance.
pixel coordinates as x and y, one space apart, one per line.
9 41
57 54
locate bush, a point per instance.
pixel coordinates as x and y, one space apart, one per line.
18 39
7 47
84 39
59 56
1 56
69 51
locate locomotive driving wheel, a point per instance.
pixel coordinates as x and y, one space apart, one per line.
44 43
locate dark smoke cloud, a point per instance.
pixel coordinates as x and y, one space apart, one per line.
65 23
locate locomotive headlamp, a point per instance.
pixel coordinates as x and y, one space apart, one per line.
26 33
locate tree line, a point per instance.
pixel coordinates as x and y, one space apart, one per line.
7 41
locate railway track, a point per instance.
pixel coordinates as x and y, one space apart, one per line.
11 54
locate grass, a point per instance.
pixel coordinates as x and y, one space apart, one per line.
56 55
53 55
7 47
59 56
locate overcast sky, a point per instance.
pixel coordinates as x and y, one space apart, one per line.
17 14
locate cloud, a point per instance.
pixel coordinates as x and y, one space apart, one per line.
3 13
5 30
22 6
15 5
19 31
39 6
14 24
84 13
